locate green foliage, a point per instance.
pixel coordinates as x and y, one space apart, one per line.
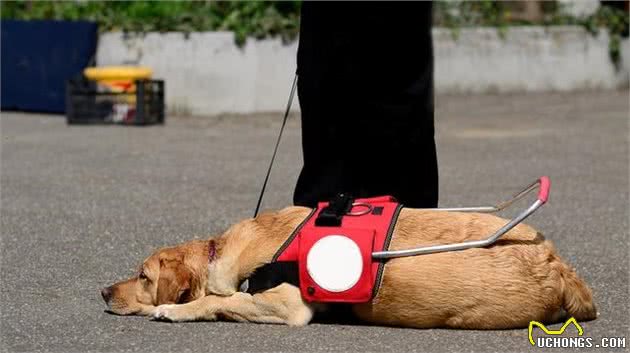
616 21
454 14
260 19
257 19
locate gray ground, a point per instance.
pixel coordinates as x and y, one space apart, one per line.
82 206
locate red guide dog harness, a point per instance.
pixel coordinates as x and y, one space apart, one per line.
329 255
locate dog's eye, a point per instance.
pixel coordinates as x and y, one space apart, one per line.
183 296
142 275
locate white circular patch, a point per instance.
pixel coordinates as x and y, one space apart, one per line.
335 263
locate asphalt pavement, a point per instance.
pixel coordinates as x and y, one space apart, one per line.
81 206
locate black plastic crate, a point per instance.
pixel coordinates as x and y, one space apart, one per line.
87 104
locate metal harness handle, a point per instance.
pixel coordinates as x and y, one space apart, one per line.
543 184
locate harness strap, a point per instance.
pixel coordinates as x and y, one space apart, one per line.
371 231
272 275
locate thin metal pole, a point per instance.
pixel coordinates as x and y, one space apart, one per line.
490 209
543 184
460 246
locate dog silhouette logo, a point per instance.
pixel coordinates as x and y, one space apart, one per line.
570 321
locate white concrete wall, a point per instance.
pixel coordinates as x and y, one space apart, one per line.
526 59
208 74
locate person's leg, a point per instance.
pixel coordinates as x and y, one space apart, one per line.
365 87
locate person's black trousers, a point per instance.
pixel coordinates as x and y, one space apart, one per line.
365 85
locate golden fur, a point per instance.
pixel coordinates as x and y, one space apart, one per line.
518 279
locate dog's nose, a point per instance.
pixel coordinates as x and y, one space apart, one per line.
106 293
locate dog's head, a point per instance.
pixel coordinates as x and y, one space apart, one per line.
192 270
169 276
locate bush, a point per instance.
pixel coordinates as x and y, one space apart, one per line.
260 19
257 19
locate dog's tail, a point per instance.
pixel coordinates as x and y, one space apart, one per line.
576 295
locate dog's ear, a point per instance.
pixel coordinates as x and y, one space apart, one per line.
174 283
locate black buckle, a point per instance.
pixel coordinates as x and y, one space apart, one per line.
332 214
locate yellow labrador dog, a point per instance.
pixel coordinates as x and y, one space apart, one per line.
518 279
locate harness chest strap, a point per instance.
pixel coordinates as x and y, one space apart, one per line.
306 259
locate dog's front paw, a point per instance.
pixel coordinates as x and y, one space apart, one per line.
165 312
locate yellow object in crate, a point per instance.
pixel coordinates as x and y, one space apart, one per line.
118 78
